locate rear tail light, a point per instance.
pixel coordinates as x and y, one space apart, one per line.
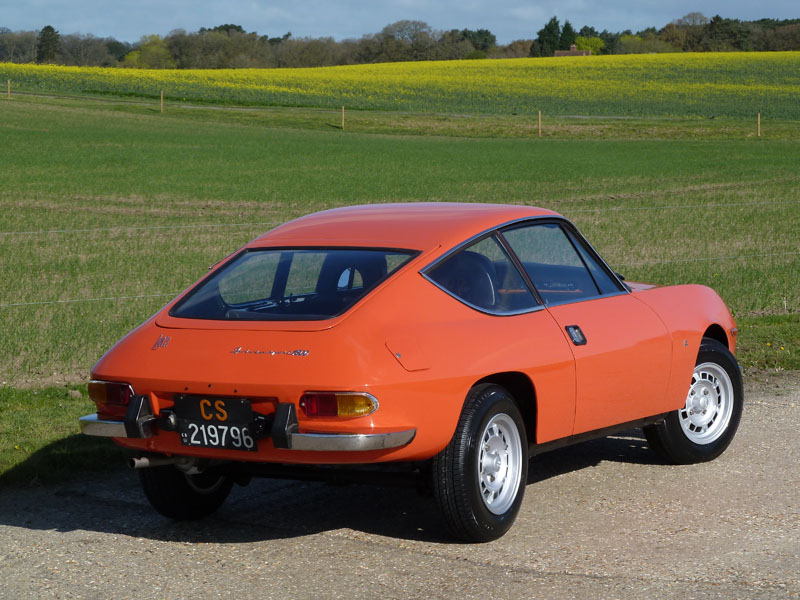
111 398
338 404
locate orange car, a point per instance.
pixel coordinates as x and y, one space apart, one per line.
446 341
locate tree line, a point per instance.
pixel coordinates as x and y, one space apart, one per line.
230 46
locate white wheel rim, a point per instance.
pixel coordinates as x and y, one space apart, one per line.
709 404
499 463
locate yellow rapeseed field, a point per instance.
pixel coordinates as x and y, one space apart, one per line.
703 84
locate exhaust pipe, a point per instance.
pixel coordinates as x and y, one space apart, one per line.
145 462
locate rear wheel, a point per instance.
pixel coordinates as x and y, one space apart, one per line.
479 478
705 426
181 496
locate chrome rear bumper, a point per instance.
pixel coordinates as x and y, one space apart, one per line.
91 425
315 442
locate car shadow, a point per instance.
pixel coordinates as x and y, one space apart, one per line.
271 509
625 447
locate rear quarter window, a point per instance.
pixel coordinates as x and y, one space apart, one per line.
483 276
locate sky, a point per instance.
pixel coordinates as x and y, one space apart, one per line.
341 19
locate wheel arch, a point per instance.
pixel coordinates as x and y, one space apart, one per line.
520 386
716 332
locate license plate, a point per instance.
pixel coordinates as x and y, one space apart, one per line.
211 422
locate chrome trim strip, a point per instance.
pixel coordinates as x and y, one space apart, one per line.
105 381
91 425
587 298
340 442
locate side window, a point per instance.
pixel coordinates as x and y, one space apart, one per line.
483 276
606 283
553 264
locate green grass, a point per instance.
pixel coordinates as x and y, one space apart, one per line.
456 125
114 200
39 439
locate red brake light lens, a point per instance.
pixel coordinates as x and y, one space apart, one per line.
110 397
319 405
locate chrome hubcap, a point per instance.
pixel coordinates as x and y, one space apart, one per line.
499 463
709 404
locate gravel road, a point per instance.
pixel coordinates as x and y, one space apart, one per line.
603 519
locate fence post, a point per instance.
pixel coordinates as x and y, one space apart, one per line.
162 101
9 89
759 126
342 118
540 123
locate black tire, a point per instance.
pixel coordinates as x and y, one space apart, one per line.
184 497
479 478
704 428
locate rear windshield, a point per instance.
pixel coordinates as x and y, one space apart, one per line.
290 284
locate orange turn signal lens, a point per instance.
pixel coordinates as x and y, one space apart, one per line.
338 404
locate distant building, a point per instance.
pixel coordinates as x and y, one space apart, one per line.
573 51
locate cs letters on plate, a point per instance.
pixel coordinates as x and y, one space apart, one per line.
210 422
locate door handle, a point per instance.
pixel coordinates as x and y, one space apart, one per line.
576 335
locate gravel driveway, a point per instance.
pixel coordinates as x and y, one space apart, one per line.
603 519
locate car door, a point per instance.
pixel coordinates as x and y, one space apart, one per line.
622 349
518 332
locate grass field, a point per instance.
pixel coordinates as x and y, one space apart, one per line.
108 209
702 84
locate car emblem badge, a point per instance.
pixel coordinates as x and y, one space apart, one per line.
161 342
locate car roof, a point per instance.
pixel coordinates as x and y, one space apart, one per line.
419 225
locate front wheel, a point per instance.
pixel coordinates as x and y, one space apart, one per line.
479 478
705 426
181 496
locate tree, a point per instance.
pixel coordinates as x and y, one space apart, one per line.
567 37
17 46
152 53
726 34
117 49
47 45
85 51
274 41
307 52
452 45
674 36
692 19
786 37
482 39
227 28
594 44
547 38
404 40
611 41
647 44
516 49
